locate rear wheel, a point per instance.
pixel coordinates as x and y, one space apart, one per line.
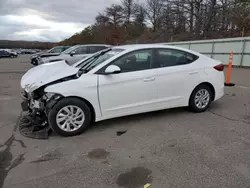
69 117
200 98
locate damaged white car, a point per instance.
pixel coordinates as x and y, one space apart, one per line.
119 81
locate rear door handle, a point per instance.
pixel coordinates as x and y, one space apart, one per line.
149 79
193 72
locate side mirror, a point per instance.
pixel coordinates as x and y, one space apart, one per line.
112 69
72 53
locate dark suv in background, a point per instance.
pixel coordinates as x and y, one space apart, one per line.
7 53
52 52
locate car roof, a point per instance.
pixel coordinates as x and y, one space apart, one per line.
131 47
94 45
142 46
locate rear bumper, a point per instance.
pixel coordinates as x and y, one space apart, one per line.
219 93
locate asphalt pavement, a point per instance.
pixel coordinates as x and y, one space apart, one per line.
165 149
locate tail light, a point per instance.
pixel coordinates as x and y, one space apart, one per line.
219 67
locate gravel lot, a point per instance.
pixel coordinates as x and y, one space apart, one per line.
171 148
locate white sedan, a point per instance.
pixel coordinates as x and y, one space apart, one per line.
120 81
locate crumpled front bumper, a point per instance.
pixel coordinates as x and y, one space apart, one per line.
33 122
25 101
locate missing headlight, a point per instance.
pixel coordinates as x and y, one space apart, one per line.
37 94
49 96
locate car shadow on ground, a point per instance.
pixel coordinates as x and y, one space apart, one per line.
125 122
137 117
122 123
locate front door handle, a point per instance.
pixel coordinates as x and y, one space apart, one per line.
193 72
149 79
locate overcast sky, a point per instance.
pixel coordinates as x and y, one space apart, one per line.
47 20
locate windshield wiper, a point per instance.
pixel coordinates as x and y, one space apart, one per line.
87 66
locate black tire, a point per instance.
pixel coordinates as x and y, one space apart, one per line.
65 102
34 62
192 106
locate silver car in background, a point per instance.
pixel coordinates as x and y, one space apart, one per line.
75 53
52 52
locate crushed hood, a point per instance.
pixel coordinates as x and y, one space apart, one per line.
46 73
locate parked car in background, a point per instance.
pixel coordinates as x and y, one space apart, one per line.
120 81
7 53
18 51
28 51
52 52
75 53
12 52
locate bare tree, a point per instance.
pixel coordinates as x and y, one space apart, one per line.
115 14
171 20
101 19
154 10
129 9
140 16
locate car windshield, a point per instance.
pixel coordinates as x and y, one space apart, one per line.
97 59
56 50
52 49
70 49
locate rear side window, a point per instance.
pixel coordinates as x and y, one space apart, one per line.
172 57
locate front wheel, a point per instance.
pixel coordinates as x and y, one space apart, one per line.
200 98
69 117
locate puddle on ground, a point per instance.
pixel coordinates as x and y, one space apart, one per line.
136 178
98 154
48 157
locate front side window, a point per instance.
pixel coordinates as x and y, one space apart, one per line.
135 61
57 50
70 50
52 50
81 50
94 49
65 48
172 57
